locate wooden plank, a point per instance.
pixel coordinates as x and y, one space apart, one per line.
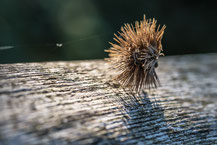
78 103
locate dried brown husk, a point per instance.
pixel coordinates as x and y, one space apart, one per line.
136 53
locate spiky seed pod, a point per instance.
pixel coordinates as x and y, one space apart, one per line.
136 53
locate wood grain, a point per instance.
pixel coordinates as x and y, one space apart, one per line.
78 103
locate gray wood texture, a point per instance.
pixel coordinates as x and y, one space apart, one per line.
78 103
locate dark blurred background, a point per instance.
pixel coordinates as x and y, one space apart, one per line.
50 30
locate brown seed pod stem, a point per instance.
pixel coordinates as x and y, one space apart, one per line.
136 53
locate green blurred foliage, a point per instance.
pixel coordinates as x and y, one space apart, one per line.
36 29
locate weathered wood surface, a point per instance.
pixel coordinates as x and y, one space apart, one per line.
77 103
